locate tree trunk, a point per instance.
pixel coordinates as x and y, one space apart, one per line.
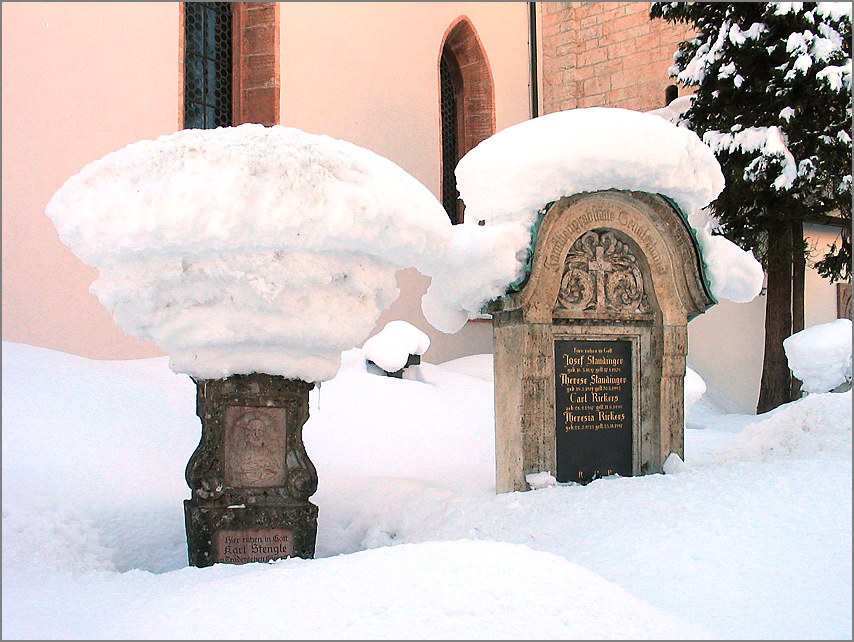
799 266
775 388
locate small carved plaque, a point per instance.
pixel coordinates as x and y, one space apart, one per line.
241 547
255 447
593 409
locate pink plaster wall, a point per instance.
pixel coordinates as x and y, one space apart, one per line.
83 79
79 80
368 72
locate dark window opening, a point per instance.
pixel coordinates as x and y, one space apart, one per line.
671 93
207 64
450 110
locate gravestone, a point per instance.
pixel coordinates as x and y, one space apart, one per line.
843 300
590 352
411 360
250 475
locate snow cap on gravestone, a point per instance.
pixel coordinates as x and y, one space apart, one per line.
508 178
516 172
249 249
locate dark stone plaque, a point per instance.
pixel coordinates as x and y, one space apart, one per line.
593 409
241 547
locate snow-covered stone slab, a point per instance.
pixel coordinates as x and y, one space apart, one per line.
396 346
590 353
820 356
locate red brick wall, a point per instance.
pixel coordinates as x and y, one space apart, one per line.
605 54
257 81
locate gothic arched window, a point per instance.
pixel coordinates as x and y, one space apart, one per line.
451 89
467 105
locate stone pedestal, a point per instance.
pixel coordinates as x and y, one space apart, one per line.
250 475
590 353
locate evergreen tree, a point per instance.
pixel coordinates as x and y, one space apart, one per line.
773 100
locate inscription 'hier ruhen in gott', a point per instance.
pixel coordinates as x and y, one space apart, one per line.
593 403
241 547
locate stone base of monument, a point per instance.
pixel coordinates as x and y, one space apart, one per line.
237 535
250 475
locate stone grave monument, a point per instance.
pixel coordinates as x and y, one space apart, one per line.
250 475
213 244
590 352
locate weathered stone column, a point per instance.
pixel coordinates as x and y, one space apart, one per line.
523 399
250 475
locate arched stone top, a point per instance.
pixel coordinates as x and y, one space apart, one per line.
477 120
652 237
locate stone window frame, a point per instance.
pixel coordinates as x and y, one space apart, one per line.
463 51
256 74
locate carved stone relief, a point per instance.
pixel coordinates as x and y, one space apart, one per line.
255 447
602 274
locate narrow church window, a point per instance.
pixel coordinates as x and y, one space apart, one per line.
450 90
467 105
207 64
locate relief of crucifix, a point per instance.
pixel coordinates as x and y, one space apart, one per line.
601 274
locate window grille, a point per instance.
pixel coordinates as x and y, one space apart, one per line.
450 143
207 64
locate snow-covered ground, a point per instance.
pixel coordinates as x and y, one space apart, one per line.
751 540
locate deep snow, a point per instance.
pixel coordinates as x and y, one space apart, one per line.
752 539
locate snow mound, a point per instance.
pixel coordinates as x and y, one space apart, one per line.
511 175
543 479
734 274
695 388
674 465
480 263
820 356
391 347
94 545
249 249
450 584
246 188
67 541
474 365
816 422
